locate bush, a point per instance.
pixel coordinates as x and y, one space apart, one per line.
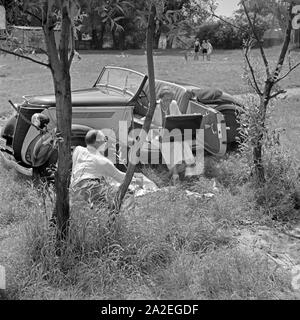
224 35
221 35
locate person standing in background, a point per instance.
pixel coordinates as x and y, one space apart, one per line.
204 49
197 47
209 50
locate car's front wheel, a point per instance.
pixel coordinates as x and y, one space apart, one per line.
47 169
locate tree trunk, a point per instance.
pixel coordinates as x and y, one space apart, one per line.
95 40
114 39
62 178
101 38
156 37
134 152
258 148
169 43
64 124
258 164
79 35
59 62
122 40
60 68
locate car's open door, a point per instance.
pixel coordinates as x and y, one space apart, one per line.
214 126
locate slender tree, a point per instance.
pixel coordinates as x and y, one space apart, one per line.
266 88
155 9
269 89
60 55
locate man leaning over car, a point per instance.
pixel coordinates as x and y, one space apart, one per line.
93 175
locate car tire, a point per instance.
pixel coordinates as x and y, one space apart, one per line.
43 171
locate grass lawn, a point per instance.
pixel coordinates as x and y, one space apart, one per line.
19 77
286 115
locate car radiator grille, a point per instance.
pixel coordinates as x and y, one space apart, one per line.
21 129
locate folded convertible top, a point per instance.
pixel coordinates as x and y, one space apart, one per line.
213 96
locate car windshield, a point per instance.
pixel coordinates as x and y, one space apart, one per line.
125 80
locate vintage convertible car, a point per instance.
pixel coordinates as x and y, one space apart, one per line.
119 94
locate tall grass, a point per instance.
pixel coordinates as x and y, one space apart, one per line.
17 198
277 199
221 274
171 246
278 196
98 263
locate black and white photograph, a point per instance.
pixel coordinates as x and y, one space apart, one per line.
149 154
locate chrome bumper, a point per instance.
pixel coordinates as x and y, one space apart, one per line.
10 162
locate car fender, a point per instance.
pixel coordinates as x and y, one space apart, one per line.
234 107
229 112
79 132
40 149
7 131
32 135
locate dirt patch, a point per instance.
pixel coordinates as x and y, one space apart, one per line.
281 247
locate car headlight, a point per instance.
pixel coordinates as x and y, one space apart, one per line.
40 120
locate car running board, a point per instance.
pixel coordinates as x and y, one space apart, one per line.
11 163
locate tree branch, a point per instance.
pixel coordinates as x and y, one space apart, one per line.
256 87
73 45
25 57
285 46
229 23
262 51
34 15
38 48
277 94
48 29
291 69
